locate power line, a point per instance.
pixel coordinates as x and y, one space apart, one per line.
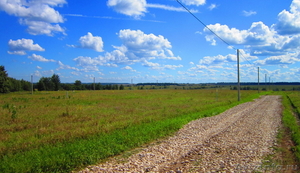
238 52
246 59
213 31
205 25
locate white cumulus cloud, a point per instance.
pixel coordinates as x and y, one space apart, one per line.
42 28
222 59
139 45
39 16
231 35
258 33
128 68
172 67
288 21
134 8
91 42
259 39
157 66
20 46
40 58
150 64
279 60
90 64
219 59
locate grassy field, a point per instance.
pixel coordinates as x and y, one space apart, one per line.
60 131
291 114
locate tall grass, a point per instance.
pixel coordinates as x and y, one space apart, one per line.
291 103
52 133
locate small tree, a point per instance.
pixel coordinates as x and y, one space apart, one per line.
78 85
56 81
98 86
115 87
15 85
4 82
45 84
26 86
40 85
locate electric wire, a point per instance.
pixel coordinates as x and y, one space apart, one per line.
213 32
240 53
205 25
250 63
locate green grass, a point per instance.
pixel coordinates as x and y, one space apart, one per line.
46 132
291 103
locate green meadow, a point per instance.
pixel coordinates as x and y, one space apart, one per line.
290 118
62 131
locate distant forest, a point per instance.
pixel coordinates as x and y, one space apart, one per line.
8 84
261 83
53 83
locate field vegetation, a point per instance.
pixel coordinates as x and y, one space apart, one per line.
291 114
61 131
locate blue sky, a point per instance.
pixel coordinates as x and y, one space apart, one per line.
150 40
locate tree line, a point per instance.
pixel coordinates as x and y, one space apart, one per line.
8 84
158 84
53 83
78 85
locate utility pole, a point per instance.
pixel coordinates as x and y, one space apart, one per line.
258 79
266 81
94 83
272 85
238 70
31 84
269 83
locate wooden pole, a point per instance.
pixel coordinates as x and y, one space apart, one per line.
94 83
238 70
31 84
266 81
258 79
269 83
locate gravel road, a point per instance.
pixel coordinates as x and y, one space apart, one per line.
236 140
